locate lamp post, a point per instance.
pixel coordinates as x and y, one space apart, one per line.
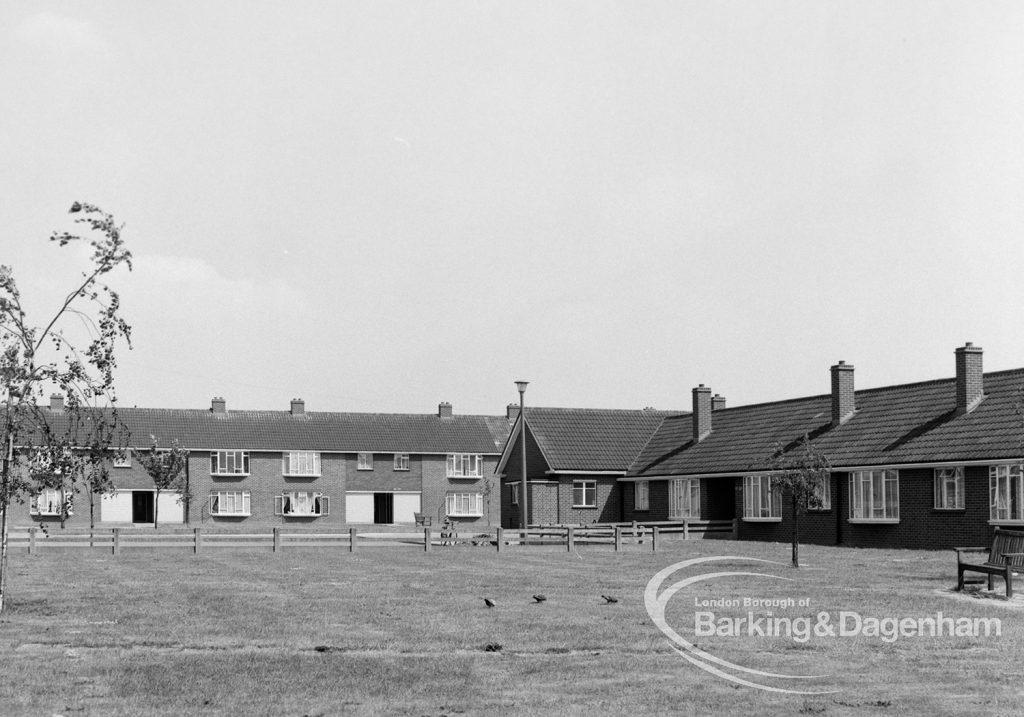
521 385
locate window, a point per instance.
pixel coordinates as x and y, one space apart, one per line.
641 495
875 495
822 498
401 461
123 459
365 462
949 488
224 463
1006 492
584 494
515 493
465 465
51 501
684 498
760 499
302 504
301 463
229 502
465 504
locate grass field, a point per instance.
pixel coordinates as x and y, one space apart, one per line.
396 631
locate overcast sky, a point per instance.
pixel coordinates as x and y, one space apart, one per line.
380 206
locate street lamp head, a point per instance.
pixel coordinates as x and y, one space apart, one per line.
521 385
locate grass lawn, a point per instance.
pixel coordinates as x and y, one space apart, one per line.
397 631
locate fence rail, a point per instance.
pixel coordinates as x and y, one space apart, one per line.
196 540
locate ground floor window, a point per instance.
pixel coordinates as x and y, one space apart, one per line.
684 498
302 504
760 499
641 495
949 488
875 495
822 497
465 504
51 501
1006 492
514 490
230 502
584 494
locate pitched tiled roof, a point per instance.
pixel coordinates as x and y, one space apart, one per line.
318 431
588 439
907 424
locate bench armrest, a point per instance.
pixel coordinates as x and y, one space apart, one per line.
1011 555
983 549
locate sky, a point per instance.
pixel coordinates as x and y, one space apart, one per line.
380 206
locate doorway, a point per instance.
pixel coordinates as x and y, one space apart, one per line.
143 504
383 508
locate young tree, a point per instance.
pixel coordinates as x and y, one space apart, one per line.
166 466
50 356
800 473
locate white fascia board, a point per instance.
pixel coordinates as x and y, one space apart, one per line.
585 473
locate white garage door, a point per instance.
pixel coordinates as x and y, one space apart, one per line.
169 509
405 505
359 507
116 508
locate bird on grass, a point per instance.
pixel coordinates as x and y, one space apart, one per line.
488 602
539 598
609 599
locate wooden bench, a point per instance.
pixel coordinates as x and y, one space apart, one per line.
1005 556
422 521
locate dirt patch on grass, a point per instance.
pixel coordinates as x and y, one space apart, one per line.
975 593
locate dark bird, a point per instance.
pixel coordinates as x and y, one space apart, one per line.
539 598
488 602
609 599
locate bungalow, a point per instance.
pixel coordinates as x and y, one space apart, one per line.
574 460
923 465
267 468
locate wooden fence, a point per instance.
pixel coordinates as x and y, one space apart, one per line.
196 540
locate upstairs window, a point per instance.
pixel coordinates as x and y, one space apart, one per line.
465 504
949 488
465 465
229 502
584 494
1006 493
302 504
51 501
401 461
123 459
301 463
641 495
875 495
760 499
364 462
227 463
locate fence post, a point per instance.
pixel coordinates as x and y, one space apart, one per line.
654 538
686 528
618 538
117 541
426 540
351 540
735 529
500 535
277 539
31 540
198 541
570 539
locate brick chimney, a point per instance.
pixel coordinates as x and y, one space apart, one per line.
969 383
298 407
701 413
56 402
444 410
218 405
842 393
512 411
717 402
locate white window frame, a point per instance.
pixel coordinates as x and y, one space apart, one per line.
641 495
123 459
238 465
230 503
364 461
54 499
401 461
684 498
465 465
464 505
582 491
514 488
875 496
301 463
823 492
289 503
949 488
761 500
1006 493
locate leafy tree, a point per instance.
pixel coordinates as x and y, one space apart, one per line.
166 466
800 473
35 358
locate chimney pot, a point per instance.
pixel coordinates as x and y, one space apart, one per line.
701 413
843 400
970 388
